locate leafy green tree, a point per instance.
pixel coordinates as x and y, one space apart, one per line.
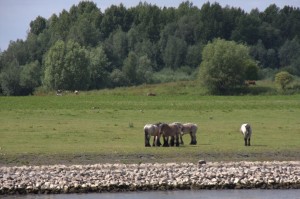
10 79
118 45
148 49
115 17
98 68
186 29
223 66
270 14
251 70
86 18
289 52
66 67
144 70
147 19
194 55
247 29
267 58
75 72
175 52
118 78
54 62
211 16
283 79
133 38
130 67
30 77
38 25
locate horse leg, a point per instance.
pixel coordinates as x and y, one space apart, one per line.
192 140
181 140
248 141
177 140
154 140
147 139
172 141
165 141
158 141
195 139
245 139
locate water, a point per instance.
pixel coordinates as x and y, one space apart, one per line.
199 194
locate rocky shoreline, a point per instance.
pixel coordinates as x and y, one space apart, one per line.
141 177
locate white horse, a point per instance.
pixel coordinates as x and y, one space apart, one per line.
188 128
246 131
152 130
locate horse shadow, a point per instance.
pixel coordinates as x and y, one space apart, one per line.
259 145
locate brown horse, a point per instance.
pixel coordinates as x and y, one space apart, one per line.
169 130
152 130
188 128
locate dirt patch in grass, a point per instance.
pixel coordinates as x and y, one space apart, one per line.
87 158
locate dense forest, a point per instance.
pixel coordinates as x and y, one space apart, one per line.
85 48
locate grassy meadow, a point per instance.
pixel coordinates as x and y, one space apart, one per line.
107 126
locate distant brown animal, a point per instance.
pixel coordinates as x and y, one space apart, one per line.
151 94
250 82
169 130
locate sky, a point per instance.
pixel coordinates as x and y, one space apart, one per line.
16 15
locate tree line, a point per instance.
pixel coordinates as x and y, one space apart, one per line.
85 48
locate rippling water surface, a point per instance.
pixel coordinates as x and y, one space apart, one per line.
199 194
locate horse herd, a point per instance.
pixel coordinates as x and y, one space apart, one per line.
176 130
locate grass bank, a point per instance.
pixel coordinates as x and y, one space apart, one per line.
107 126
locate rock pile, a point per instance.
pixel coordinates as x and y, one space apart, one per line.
132 177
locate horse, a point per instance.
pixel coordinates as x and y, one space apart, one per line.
188 128
152 130
246 131
169 130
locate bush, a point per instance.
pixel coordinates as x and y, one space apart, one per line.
283 79
223 68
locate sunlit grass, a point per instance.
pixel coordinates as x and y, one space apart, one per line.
110 123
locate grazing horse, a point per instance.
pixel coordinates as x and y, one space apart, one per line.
188 128
169 130
246 131
152 130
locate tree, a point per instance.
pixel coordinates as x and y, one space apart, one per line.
223 66
75 73
247 29
283 79
144 70
66 67
98 68
30 77
289 52
54 62
175 52
193 56
251 70
38 25
129 67
118 78
10 79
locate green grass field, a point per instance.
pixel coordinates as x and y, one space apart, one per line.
107 126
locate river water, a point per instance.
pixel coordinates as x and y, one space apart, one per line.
198 194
